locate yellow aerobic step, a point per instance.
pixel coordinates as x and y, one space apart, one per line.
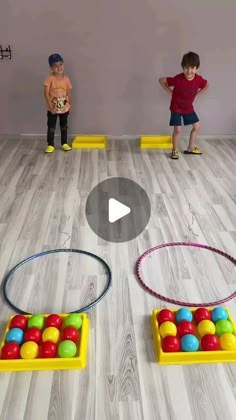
155 142
89 142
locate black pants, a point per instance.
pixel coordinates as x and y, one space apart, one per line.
52 121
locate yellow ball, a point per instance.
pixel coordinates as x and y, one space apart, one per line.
206 327
29 350
51 334
228 341
168 328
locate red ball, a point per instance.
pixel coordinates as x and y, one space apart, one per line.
19 321
201 314
185 327
210 342
170 344
48 350
10 351
53 320
165 315
33 334
70 333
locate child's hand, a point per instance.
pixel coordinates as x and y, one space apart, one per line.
70 107
163 83
51 109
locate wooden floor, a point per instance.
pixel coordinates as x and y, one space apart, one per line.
42 203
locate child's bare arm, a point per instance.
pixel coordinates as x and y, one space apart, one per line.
163 83
68 93
201 91
47 98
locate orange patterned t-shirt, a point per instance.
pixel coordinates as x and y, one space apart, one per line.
58 92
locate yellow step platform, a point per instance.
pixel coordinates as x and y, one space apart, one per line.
89 142
155 142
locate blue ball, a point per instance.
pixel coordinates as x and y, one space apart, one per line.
189 343
183 314
16 335
218 314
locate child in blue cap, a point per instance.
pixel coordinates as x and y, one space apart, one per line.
57 88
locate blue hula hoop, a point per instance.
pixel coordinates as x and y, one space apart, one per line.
53 251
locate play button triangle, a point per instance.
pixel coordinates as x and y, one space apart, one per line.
117 210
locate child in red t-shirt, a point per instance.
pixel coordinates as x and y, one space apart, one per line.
186 86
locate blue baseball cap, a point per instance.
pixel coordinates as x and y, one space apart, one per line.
54 58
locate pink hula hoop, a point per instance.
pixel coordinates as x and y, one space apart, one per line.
174 301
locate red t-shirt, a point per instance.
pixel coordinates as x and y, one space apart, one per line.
184 92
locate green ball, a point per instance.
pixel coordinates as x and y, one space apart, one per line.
67 348
73 320
224 326
36 321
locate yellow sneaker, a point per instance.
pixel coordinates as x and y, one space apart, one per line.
66 147
194 151
174 154
49 149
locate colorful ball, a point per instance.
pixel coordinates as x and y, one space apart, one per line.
10 351
29 350
165 315
73 320
19 321
70 333
53 320
224 326
170 344
51 334
202 314
48 350
67 349
183 314
210 342
185 327
15 335
206 327
36 321
189 343
228 341
168 328
218 314
33 334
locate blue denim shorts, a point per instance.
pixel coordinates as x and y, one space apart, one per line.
188 119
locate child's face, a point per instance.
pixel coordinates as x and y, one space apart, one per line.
58 68
189 72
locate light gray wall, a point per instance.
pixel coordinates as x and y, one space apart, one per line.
115 51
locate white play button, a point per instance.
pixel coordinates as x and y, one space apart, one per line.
117 210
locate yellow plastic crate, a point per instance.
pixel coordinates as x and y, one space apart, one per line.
89 142
57 363
185 358
155 142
